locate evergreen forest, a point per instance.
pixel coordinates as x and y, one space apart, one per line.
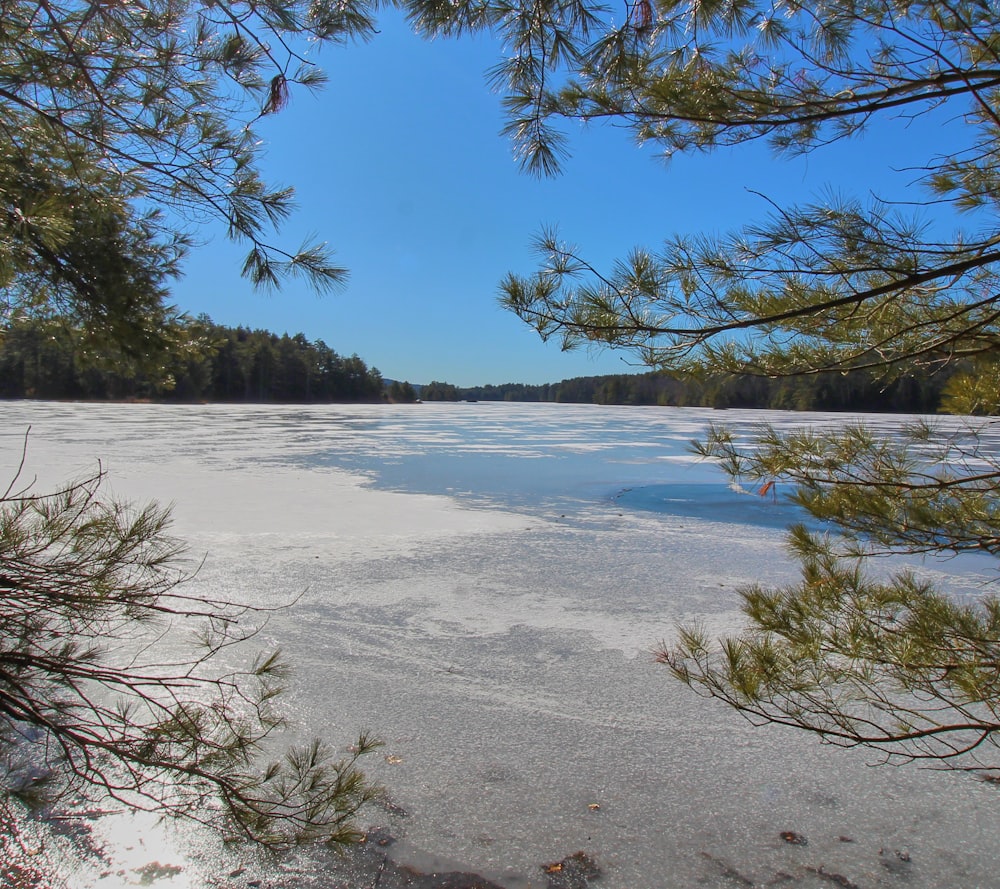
858 391
199 360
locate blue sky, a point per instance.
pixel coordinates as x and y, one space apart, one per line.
399 166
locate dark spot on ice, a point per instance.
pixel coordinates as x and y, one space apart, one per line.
368 865
728 872
896 861
150 873
496 774
389 806
573 872
835 878
379 837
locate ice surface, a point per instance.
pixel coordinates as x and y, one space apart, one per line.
482 585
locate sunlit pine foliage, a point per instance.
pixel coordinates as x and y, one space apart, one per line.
118 684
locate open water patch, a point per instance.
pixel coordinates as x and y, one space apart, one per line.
716 503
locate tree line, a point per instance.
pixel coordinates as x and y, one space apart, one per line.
200 361
51 358
861 391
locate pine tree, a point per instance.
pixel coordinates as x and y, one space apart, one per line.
125 121
90 701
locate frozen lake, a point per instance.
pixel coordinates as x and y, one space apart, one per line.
482 585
